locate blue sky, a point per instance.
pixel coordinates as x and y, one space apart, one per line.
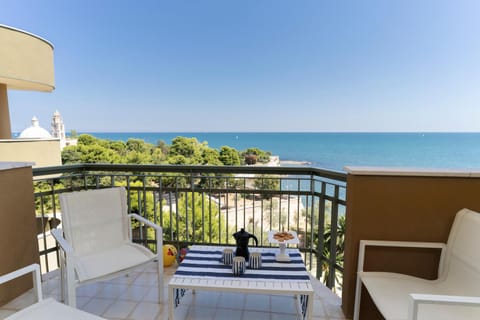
255 65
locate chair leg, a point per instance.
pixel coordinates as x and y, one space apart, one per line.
70 285
71 294
63 279
160 280
62 282
358 293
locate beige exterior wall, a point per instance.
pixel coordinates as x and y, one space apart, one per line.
44 152
5 128
18 236
26 61
387 204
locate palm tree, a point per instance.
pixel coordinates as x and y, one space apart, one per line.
340 246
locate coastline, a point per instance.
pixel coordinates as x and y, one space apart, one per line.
333 151
275 161
294 163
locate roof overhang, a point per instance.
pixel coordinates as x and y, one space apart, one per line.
26 61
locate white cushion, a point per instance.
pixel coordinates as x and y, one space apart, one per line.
460 276
102 263
50 309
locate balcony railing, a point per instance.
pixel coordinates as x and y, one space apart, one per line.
207 204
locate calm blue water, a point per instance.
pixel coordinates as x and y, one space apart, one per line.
336 150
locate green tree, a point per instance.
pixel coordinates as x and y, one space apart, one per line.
90 150
95 153
119 147
46 202
229 156
198 219
138 145
183 150
189 148
71 155
267 183
135 157
210 156
163 146
158 156
86 139
262 156
339 249
177 159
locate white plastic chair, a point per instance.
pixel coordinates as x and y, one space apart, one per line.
455 294
44 309
97 244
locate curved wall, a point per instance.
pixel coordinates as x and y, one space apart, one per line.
26 61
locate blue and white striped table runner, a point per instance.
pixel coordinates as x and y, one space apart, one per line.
206 262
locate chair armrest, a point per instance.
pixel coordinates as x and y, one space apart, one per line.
403 244
58 235
37 283
158 232
417 299
143 220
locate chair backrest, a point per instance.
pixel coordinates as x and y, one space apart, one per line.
95 220
462 259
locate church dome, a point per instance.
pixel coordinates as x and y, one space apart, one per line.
35 131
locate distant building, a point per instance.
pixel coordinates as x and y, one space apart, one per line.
58 131
58 128
35 131
34 144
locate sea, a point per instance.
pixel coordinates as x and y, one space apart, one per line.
334 151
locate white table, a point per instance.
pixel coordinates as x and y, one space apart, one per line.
202 269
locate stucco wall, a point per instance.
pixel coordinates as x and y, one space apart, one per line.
401 205
41 152
26 60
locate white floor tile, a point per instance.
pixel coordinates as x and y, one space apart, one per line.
152 295
257 302
205 298
146 311
6 313
283 304
111 291
120 309
230 300
200 313
135 293
98 306
283 316
89 290
257 315
136 297
228 314
22 301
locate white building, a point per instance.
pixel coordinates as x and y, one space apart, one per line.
58 131
58 128
35 131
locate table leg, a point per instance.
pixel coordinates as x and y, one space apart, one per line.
306 305
170 303
310 306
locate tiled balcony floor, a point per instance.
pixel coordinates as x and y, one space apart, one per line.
135 297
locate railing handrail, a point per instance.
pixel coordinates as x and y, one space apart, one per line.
300 170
